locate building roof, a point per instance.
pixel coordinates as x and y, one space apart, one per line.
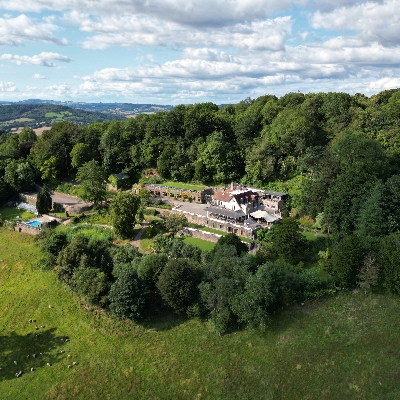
223 195
265 215
225 212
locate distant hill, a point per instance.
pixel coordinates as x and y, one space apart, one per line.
116 109
14 116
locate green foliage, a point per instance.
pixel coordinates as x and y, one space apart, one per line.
92 283
286 240
388 259
123 211
346 261
19 175
44 201
369 272
175 222
150 268
232 240
178 283
92 179
49 169
80 154
127 296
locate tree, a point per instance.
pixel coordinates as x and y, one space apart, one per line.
127 296
123 210
92 284
233 240
19 175
388 259
175 222
49 169
287 241
346 261
178 283
372 219
151 266
80 154
369 273
92 178
43 201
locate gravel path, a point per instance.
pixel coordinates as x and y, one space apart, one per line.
136 241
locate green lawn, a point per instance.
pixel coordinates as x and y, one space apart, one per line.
10 213
345 347
180 185
202 244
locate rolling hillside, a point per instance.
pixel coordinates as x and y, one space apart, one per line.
38 115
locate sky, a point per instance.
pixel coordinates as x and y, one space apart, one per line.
191 51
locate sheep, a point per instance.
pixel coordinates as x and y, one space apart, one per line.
62 351
32 369
48 364
69 366
30 321
15 362
42 326
34 355
69 356
74 363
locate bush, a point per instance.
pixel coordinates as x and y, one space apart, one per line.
178 284
128 296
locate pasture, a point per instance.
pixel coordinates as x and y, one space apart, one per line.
346 347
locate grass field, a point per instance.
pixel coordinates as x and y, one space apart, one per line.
202 244
345 347
180 185
11 213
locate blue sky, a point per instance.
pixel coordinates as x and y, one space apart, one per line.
188 51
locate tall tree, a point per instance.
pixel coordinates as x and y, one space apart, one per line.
286 240
178 283
44 201
92 179
123 210
127 296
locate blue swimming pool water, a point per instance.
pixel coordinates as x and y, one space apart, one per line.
34 223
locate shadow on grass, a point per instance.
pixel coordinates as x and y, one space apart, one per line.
28 351
164 320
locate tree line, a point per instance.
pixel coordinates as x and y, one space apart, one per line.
227 286
336 154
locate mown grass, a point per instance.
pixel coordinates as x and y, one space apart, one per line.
202 244
181 185
11 213
339 348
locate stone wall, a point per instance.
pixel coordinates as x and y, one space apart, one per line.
29 198
31 230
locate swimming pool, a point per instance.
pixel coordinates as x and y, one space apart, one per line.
35 223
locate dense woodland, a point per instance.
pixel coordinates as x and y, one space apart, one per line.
38 115
337 155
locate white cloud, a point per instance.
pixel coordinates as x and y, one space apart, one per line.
384 83
372 22
7 87
143 31
38 76
202 13
44 59
14 31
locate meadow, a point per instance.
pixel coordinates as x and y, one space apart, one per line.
345 347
